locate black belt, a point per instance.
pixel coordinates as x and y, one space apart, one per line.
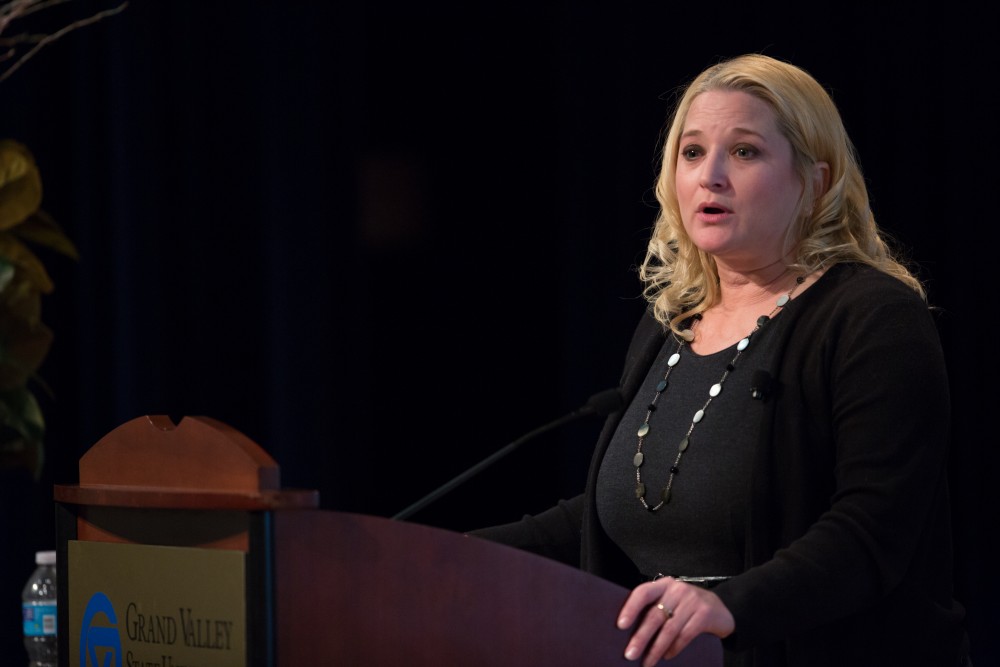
704 581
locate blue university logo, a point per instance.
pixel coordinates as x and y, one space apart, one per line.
100 643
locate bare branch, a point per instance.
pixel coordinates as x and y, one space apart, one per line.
23 38
25 7
21 8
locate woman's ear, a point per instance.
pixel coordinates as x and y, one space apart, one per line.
820 179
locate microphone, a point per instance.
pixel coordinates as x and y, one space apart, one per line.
761 384
602 403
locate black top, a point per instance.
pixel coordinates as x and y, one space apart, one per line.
847 533
699 533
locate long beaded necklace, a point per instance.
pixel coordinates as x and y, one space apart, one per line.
715 390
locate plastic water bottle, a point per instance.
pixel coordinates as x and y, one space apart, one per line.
38 605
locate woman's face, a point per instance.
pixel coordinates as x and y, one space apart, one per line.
736 184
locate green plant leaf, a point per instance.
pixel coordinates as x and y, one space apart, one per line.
42 229
20 411
19 254
23 348
19 300
22 432
20 184
6 274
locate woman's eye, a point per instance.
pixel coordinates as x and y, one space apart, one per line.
690 152
745 151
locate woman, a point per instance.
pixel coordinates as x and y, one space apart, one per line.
778 477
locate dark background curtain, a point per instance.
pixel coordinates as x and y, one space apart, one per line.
385 239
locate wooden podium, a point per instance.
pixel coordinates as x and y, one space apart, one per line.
318 587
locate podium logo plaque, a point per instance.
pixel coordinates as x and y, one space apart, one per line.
133 605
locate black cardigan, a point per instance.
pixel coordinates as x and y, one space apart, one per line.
848 552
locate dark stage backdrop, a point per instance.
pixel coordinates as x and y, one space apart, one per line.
385 239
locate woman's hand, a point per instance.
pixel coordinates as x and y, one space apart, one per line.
667 614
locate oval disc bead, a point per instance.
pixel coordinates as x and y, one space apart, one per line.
674 358
684 444
742 345
715 390
637 459
783 299
698 415
665 495
640 490
660 386
643 430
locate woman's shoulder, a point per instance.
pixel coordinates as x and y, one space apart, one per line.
852 281
859 300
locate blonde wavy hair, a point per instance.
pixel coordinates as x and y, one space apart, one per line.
679 280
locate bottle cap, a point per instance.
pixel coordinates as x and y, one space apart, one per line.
45 558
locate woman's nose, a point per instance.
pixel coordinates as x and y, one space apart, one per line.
713 172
